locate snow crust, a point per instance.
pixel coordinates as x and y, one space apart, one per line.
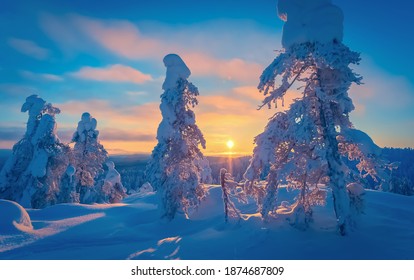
176 69
13 218
310 21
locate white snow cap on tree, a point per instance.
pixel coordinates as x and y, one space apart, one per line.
176 69
86 127
310 21
112 176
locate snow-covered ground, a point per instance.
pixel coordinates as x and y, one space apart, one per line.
133 230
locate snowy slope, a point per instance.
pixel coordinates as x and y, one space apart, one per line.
132 230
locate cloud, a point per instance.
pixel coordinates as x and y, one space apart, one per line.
125 39
112 73
17 89
249 92
125 136
229 69
29 48
41 76
136 93
121 37
11 133
143 118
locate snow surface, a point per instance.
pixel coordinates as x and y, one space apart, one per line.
13 218
133 230
310 21
176 69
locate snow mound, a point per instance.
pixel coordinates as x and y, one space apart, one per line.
365 143
13 218
310 21
355 189
176 69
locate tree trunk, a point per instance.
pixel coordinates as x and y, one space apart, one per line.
335 165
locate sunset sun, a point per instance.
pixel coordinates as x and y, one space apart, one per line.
230 144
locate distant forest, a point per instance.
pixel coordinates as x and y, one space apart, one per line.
132 168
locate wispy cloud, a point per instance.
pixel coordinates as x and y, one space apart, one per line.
29 48
124 135
228 69
11 133
17 89
136 93
125 39
120 37
112 73
41 76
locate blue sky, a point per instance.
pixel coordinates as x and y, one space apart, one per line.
105 57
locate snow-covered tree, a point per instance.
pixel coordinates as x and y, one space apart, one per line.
177 169
67 193
112 187
306 144
89 159
32 174
230 190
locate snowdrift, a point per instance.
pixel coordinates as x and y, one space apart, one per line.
133 230
13 218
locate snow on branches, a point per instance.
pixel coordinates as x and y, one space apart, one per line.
31 176
306 144
177 169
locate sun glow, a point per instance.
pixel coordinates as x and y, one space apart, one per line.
230 144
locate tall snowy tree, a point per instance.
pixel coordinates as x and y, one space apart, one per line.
32 174
177 169
89 162
307 144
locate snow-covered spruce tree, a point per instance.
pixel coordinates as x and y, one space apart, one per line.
32 174
89 159
306 144
177 169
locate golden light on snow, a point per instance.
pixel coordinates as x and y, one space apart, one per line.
230 144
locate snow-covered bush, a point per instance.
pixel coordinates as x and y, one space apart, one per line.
32 174
177 169
307 143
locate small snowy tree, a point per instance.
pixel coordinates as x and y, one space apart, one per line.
230 190
306 144
67 193
89 159
32 174
112 188
177 169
